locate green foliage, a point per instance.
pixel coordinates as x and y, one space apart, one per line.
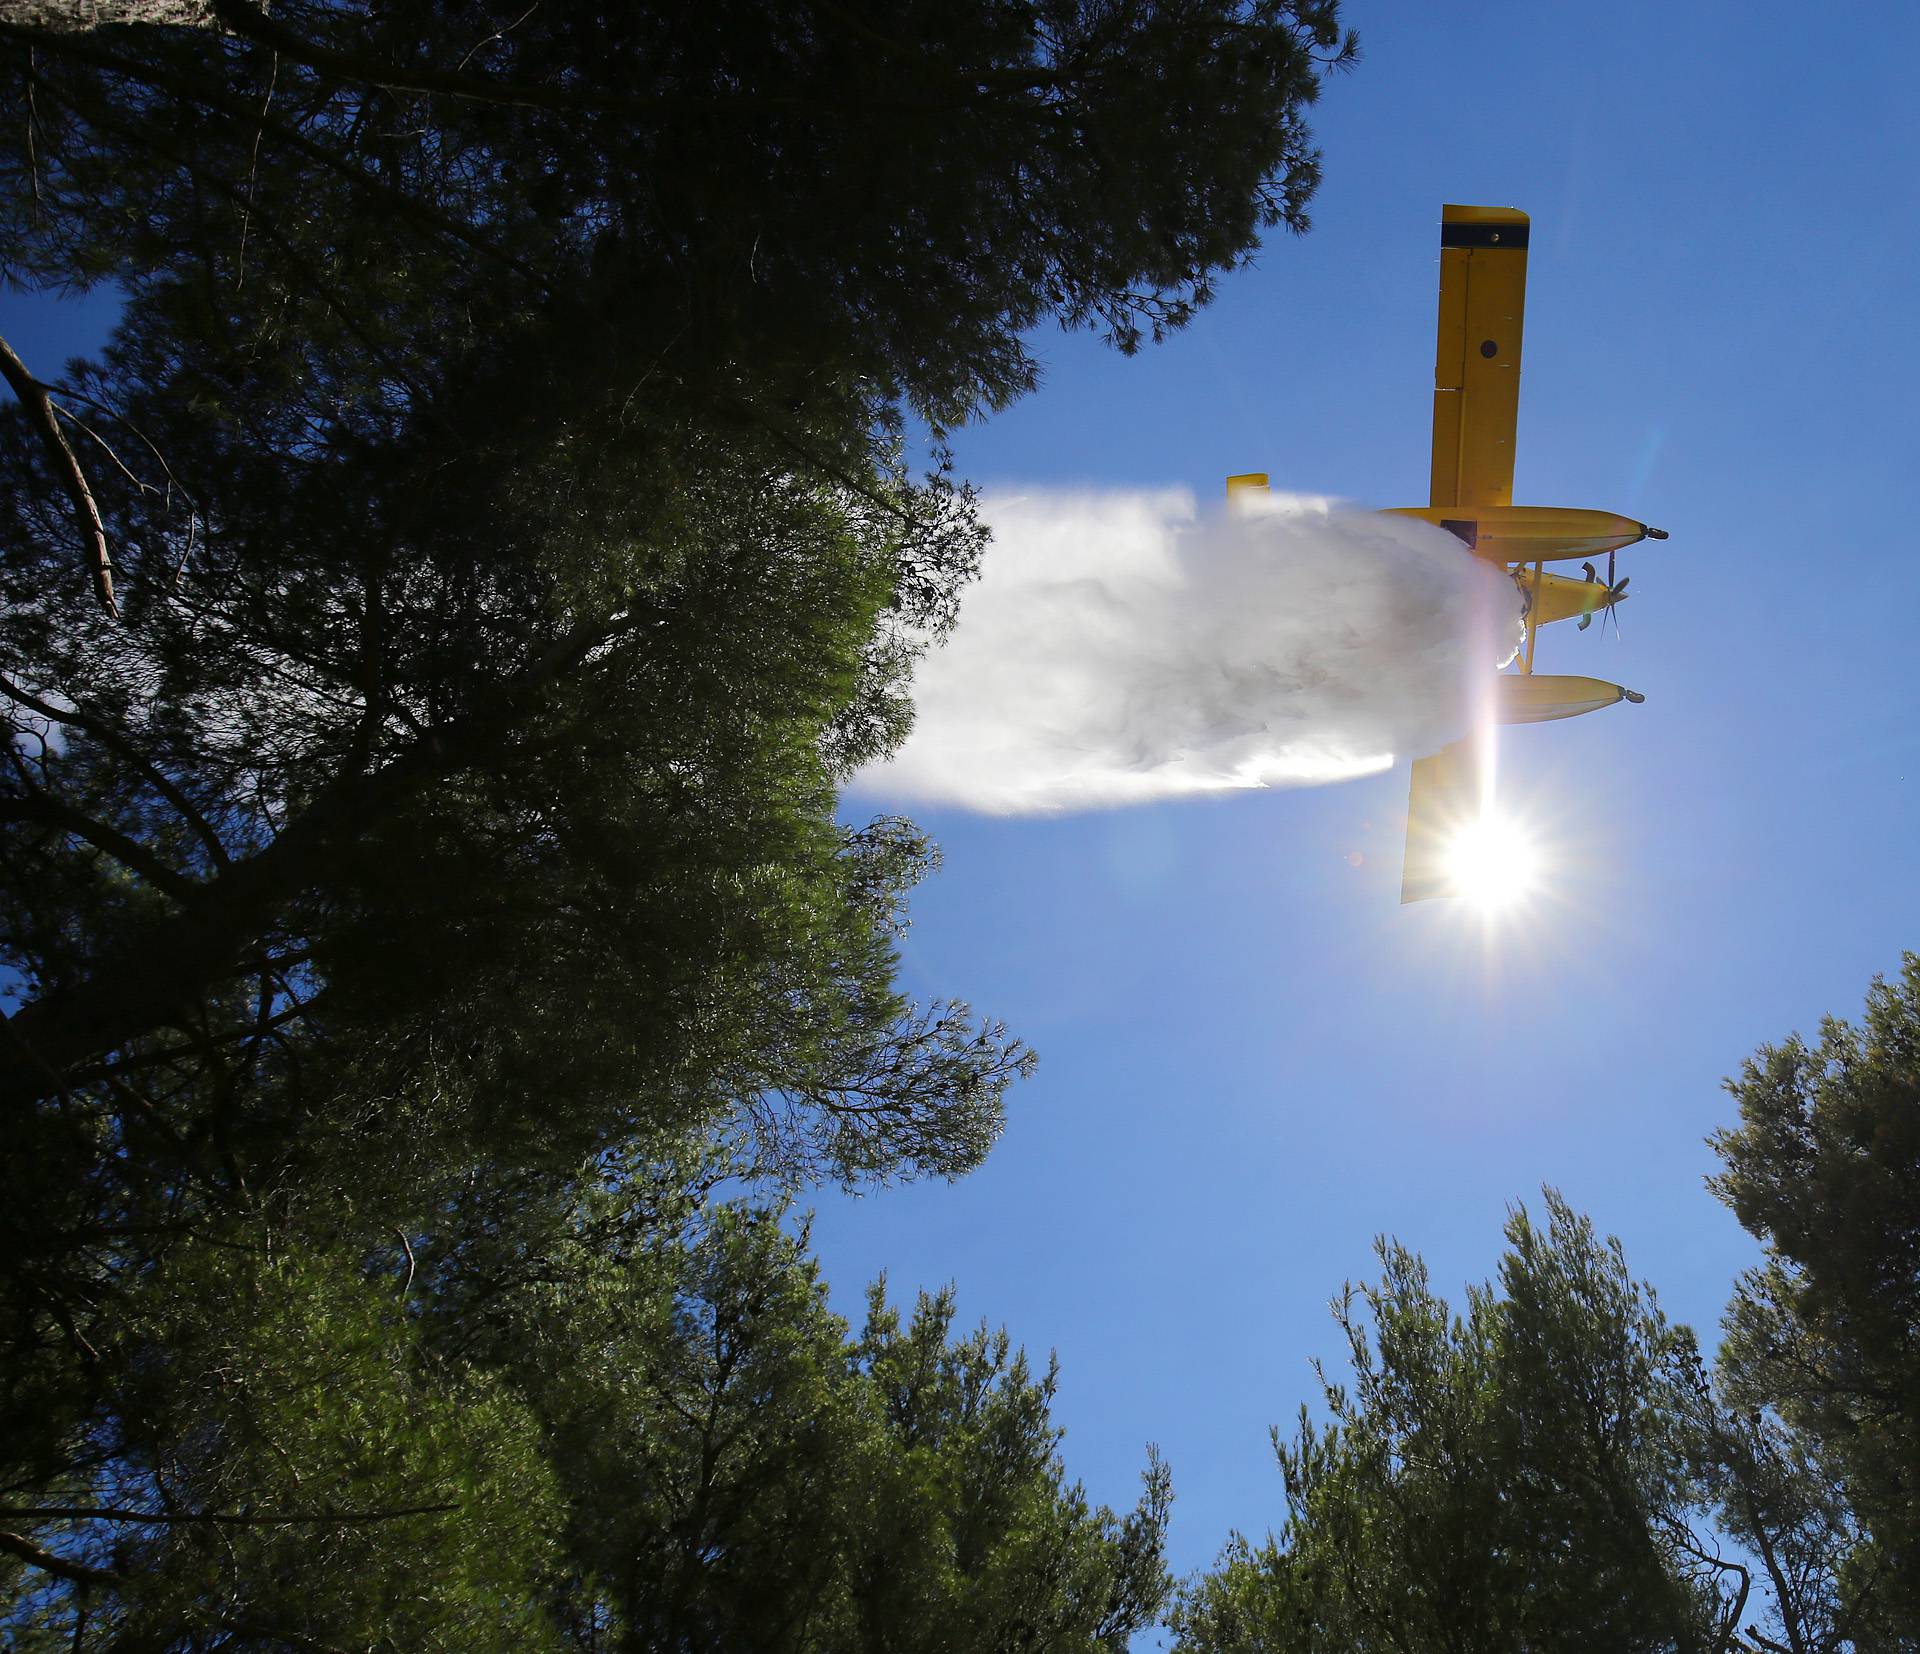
615 1414
1557 1469
743 1474
731 196
277 1458
1514 1478
515 550
1824 1170
427 890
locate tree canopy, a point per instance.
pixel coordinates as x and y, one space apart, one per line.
432 635
1824 1170
1557 1467
1516 1477
650 1434
513 542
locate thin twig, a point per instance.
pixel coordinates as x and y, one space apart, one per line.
406 1246
498 34
33 116
253 167
119 417
105 447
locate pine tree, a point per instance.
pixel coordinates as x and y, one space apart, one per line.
432 637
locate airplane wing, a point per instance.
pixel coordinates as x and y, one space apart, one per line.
1476 407
1476 373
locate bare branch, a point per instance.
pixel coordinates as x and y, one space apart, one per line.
40 414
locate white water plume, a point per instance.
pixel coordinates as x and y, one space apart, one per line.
1123 646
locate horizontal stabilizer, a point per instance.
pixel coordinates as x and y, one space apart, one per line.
1443 799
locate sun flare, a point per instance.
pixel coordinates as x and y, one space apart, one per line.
1493 863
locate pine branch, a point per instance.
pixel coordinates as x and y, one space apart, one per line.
53 812
213 96
46 1561
154 976
243 1519
108 736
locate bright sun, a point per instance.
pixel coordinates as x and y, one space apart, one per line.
1492 863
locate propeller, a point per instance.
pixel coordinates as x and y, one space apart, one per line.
1614 590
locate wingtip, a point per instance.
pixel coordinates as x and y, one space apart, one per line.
1656 534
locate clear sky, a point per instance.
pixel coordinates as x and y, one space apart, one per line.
1253 1060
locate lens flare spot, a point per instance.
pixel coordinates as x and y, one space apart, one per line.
1493 863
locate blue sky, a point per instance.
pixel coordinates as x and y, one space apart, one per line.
1252 1059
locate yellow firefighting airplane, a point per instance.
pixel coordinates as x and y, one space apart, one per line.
1476 404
